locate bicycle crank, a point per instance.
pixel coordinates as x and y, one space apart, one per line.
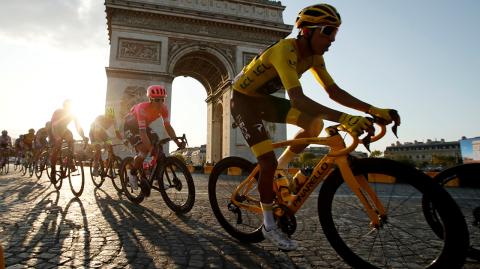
286 221
235 210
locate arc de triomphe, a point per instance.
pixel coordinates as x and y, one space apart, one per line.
154 41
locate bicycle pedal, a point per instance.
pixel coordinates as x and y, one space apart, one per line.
145 188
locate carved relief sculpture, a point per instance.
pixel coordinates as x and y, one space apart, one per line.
131 96
139 50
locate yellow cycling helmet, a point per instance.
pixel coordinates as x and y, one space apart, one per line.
321 14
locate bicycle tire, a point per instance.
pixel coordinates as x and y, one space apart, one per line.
56 178
16 164
136 196
100 178
6 167
419 250
24 169
39 166
75 176
175 175
114 167
1 170
31 168
466 197
240 223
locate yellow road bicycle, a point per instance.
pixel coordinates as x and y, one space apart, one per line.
370 209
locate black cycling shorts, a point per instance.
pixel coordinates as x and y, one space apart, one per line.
132 134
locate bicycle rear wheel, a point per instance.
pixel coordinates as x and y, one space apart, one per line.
240 223
114 173
176 185
405 238
76 177
99 177
134 195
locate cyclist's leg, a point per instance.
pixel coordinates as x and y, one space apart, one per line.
132 134
249 120
56 140
96 147
311 127
68 137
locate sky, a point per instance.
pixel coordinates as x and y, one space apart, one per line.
419 57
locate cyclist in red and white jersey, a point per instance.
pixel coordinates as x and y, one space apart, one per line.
137 130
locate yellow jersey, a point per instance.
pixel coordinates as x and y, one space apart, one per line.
280 67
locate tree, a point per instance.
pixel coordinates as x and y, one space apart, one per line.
444 161
180 157
376 154
307 159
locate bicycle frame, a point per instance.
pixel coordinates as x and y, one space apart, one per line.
337 157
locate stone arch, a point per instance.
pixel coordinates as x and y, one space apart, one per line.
198 62
154 41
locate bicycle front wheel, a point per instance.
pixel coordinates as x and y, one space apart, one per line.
97 176
31 168
24 168
76 177
114 173
133 192
176 185
57 172
40 165
239 222
404 238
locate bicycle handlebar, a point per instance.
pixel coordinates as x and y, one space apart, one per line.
369 138
183 138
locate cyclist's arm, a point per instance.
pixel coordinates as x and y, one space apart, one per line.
168 127
79 128
344 98
170 130
333 90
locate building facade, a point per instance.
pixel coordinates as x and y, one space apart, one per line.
423 152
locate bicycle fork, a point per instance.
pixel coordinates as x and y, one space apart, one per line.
369 199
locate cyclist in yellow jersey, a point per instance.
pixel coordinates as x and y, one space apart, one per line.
28 139
280 67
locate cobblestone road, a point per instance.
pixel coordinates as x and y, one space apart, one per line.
43 228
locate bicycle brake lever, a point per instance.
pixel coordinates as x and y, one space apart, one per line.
370 133
396 121
394 130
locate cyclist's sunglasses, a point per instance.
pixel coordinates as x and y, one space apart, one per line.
156 100
327 30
